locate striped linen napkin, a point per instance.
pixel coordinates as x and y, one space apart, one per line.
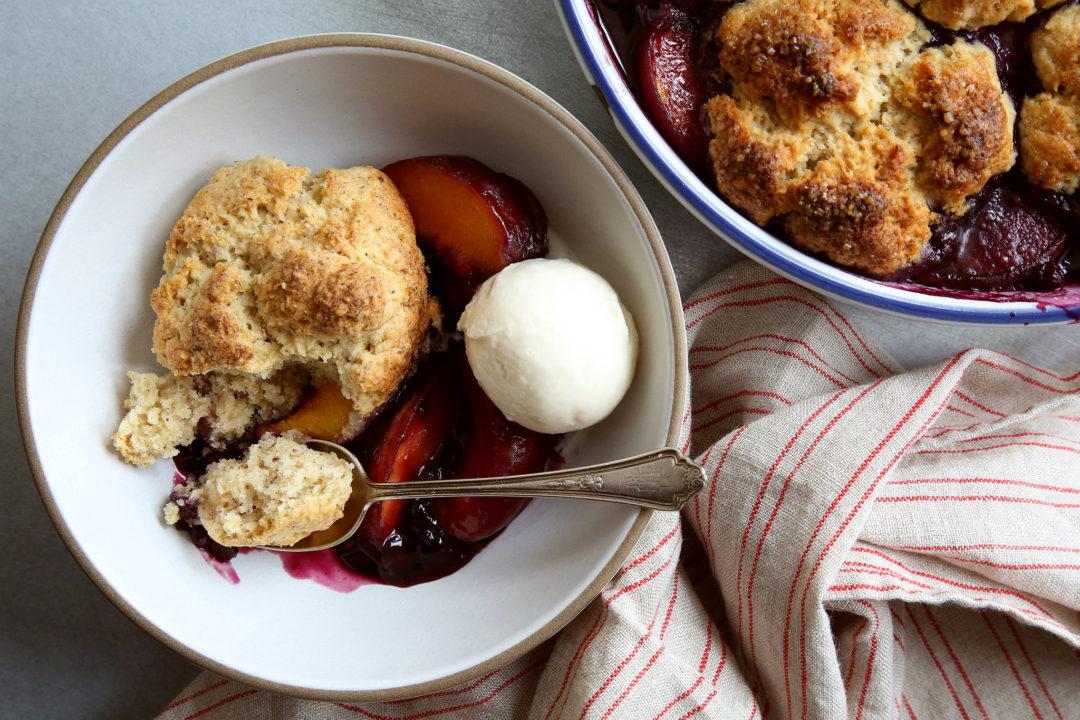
870 543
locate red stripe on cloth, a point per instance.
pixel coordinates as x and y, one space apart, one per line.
769 351
907 706
741 393
1027 658
705 703
456 691
708 645
1012 666
868 568
221 703
781 338
632 685
686 693
697 503
1029 380
868 493
871 658
737 288
964 451
946 429
714 487
844 587
779 501
975 498
980 406
1015 566
950 408
652 551
620 667
958 584
1023 434
798 301
980 546
898 641
854 651
724 416
602 616
941 669
192 696
1044 371
685 421
721 665
671 606
439 711
955 660
988 481
633 653
843 318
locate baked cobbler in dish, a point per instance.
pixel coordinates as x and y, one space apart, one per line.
296 305
934 141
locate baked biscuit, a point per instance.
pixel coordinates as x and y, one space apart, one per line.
965 120
971 14
1055 50
166 412
278 493
271 266
839 127
1050 121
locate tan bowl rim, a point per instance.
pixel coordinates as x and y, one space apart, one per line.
345 40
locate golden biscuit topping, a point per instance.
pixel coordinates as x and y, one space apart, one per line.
968 136
837 125
271 265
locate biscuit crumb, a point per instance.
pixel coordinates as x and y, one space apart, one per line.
279 492
164 412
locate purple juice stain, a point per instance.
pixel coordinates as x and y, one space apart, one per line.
325 568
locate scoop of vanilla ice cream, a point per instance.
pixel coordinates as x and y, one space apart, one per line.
550 344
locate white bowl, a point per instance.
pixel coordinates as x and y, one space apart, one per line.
325 101
604 57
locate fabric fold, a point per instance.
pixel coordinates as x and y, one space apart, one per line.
871 542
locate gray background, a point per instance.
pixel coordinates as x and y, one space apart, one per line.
73 70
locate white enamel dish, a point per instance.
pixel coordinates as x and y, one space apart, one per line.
325 101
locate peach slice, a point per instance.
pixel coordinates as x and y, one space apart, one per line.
417 430
324 413
472 220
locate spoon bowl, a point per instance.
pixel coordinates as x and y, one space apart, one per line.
661 480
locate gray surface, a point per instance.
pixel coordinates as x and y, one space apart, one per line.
71 72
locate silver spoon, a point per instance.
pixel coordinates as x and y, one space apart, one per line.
662 480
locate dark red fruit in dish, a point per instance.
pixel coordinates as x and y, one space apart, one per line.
470 219
411 442
668 77
494 447
1011 236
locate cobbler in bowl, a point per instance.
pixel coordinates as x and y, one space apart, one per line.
296 306
327 101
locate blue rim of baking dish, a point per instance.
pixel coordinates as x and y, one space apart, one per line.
602 68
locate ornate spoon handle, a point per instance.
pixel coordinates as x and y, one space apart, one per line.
661 480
